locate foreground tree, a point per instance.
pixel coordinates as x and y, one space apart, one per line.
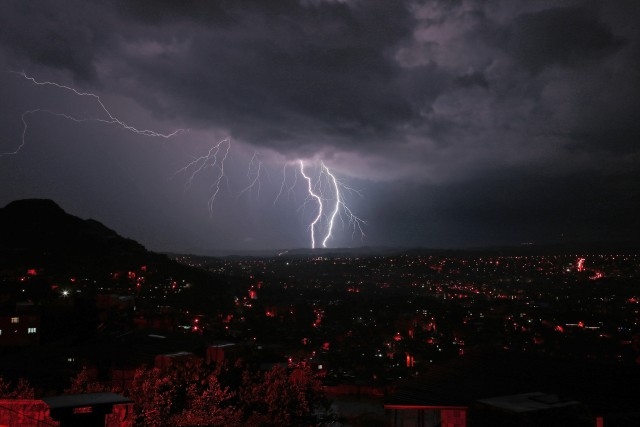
83 382
282 398
153 392
184 394
191 393
208 405
21 390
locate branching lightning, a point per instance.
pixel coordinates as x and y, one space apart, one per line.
325 191
111 119
284 183
337 204
340 208
313 195
25 126
253 174
214 159
331 197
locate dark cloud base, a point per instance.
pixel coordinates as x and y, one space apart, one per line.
460 122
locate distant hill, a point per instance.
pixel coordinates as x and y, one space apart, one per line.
37 232
295 252
528 249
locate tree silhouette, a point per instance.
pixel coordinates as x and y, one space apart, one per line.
84 383
182 394
190 393
282 398
21 390
208 405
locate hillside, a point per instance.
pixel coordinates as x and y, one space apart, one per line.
38 233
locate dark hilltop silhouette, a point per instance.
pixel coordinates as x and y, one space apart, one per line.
39 232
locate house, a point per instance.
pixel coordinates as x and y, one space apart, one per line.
19 329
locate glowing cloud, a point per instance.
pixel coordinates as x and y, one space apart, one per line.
326 190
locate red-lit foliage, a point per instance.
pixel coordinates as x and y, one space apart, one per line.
279 397
20 390
181 394
153 392
208 404
192 394
84 382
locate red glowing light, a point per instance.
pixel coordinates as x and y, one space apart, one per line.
597 275
409 361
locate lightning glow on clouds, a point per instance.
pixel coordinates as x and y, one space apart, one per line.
327 191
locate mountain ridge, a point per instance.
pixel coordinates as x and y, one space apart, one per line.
40 232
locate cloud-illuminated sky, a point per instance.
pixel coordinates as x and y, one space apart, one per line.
459 123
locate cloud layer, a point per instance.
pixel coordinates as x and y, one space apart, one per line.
461 122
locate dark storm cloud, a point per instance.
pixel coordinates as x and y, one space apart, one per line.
474 118
562 35
67 38
285 75
288 74
169 11
473 78
508 208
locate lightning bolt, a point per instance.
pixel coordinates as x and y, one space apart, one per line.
284 182
25 126
313 195
111 118
328 190
214 159
253 174
354 221
336 208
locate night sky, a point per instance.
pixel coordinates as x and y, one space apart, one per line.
447 123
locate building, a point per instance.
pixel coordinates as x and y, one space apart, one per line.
19 329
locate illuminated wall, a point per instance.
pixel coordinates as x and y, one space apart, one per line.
426 416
